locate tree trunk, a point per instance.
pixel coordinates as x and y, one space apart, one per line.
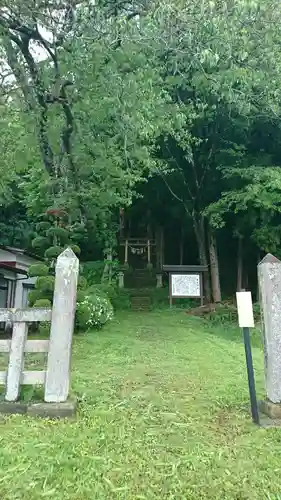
199 229
162 247
240 264
257 297
214 267
159 237
121 222
181 247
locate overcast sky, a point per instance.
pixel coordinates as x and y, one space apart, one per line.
38 52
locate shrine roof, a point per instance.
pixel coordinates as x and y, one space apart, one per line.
184 269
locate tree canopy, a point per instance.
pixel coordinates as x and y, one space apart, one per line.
144 105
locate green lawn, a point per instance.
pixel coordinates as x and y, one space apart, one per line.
163 414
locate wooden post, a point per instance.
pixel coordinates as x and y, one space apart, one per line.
201 289
17 346
126 252
16 361
63 315
170 290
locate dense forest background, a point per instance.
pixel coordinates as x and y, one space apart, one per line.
168 110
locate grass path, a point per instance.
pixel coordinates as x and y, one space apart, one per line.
163 414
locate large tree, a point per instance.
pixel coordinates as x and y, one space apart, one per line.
106 94
221 65
94 101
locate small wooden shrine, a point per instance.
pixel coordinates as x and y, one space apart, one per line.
138 252
145 251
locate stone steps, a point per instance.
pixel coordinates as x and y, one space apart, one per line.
140 278
139 281
140 284
140 303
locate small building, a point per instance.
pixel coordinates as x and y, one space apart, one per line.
14 281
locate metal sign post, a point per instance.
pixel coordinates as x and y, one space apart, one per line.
246 321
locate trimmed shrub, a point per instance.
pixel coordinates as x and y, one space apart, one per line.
45 283
77 232
53 236
75 249
78 227
38 270
76 237
94 311
42 226
40 242
42 303
53 252
59 232
33 296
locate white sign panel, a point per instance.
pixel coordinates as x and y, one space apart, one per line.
185 285
245 309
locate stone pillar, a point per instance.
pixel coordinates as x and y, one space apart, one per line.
62 325
121 280
269 276
159 281
126 252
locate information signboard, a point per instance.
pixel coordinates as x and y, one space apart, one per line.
185 281
186 285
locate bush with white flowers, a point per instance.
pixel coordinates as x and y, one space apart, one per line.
93 311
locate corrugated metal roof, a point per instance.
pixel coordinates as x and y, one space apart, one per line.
20 251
